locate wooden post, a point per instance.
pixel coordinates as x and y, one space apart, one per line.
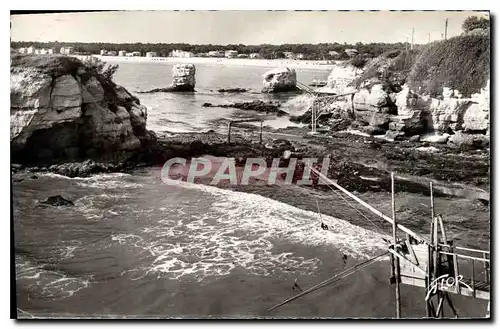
472 279
435 243
396 260
455 269
440 307
432 203
428 278
229 132
486 270
260 136
443 232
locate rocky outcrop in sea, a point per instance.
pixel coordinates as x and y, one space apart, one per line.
282 79
183 80
62 110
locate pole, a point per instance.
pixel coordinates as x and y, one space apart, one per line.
446 28
432 202
260 136
396 260
412 37
430 254
429 41
229 133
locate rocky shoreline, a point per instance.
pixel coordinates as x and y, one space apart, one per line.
361 164
70 119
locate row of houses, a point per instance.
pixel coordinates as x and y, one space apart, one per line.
176 53
213 53
125 53
45 51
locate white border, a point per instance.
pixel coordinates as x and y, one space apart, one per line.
195 5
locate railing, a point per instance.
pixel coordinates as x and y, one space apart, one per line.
484 258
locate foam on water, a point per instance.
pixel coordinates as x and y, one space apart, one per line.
47 283
241 230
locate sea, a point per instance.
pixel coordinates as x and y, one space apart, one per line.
134 247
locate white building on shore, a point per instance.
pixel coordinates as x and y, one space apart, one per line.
181 54
122 53
151 54
67 50
216 53
255 55
231 53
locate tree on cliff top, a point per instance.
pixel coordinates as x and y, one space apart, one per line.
475 22
100 67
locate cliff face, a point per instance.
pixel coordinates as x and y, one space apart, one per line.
61 109
379 107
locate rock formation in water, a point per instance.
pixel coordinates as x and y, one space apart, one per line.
256 105
57 201
232 90
183 77
62 109
280 80
183 80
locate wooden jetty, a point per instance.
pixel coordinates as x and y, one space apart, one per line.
432 263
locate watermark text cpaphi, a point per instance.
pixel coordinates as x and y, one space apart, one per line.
214 171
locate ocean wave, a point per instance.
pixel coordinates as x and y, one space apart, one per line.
241 230
256 213
48 283
101 176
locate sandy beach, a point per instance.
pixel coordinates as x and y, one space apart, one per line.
296 64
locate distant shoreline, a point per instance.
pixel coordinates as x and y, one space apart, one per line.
297 64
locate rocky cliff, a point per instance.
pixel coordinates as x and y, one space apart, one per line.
381 107
62 109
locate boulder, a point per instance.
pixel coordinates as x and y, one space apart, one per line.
341 78
57 201
29 89
280 80
372 99
66 93
477 117
435 138
94 87
460 139
372 130
183 77
374 119
414 138
392 135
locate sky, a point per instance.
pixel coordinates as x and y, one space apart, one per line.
235 27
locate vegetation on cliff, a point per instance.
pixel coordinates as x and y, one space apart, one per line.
461 63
